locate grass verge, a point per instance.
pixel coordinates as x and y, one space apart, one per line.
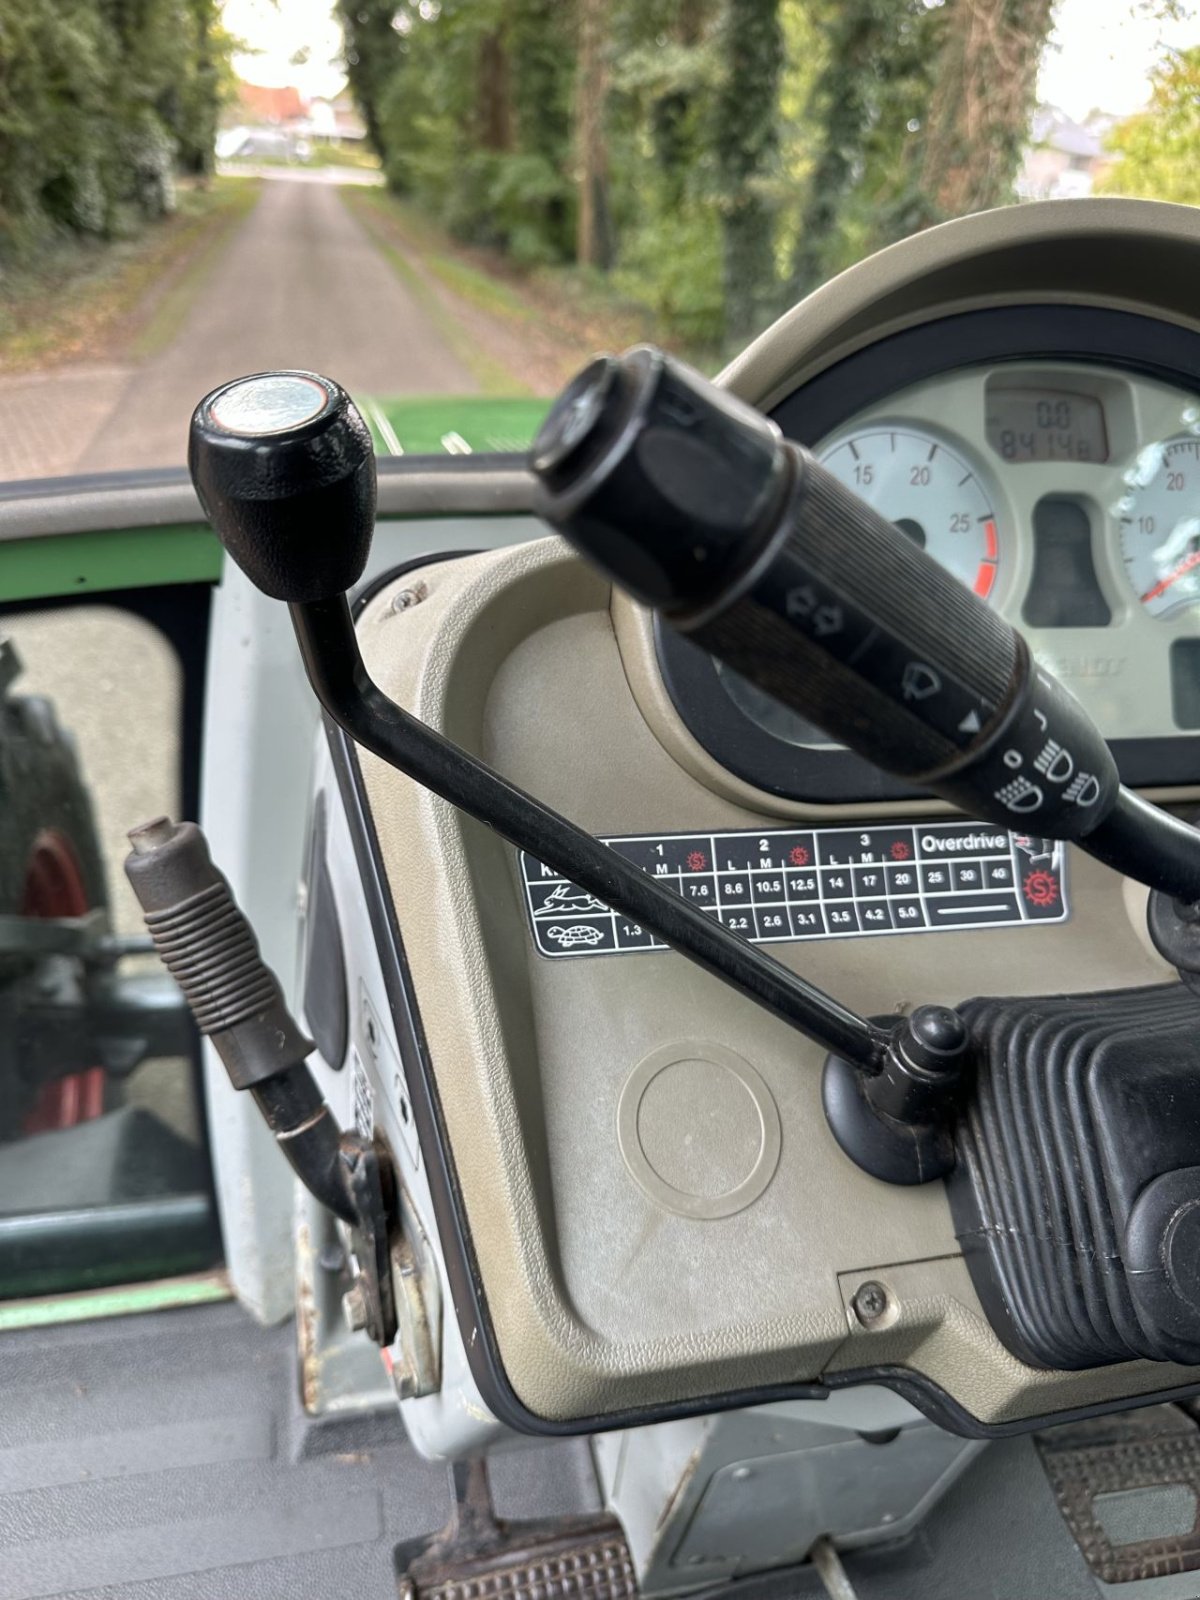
87 301
417 268
519 332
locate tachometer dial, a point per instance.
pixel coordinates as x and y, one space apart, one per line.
930 491
1160 525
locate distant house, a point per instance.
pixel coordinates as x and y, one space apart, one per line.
1064 157
284 125
336 120
265 124
279 108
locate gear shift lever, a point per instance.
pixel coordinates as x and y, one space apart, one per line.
283 465
285 470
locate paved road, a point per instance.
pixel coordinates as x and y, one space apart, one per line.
300 285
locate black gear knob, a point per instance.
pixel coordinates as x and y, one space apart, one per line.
284 467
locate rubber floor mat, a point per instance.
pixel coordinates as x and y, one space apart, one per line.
166 1457
1129 1488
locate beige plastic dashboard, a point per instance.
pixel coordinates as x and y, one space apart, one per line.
567 1088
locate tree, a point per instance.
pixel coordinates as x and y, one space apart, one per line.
715 156
873 87
373 52
662 189
1155 152
593 245
921 113
983 96
746 133
98 98
207 85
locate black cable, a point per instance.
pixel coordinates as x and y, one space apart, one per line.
325 631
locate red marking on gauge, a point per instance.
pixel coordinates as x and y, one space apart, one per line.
1186 565
798 856
1041 888
985 578
697 861
900 851
993 542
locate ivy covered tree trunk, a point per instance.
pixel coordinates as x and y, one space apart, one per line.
869 103
672 114
746 137
859 33
982 100
593 244
199 98
495 94
540 40
373 52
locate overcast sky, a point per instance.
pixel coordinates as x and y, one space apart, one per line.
1102 51
1100 56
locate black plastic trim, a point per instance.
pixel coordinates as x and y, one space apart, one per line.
933 1402
1122 339
466 1286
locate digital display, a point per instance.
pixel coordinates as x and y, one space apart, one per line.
1045 425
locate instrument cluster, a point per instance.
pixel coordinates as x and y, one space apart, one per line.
1067 495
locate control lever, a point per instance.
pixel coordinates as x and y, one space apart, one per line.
209 949
284 468
694 504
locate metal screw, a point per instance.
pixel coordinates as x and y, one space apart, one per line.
354 1307
408 598
870 1302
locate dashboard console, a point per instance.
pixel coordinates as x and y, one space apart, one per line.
642 1208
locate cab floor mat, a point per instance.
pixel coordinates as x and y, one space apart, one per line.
1129 1488
166 1457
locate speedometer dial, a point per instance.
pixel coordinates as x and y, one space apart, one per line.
1160 525
930 491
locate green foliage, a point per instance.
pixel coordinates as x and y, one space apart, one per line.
746 150
982 100
867 105
372 53
98 99
673 264
472 115
746 139
1157 153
